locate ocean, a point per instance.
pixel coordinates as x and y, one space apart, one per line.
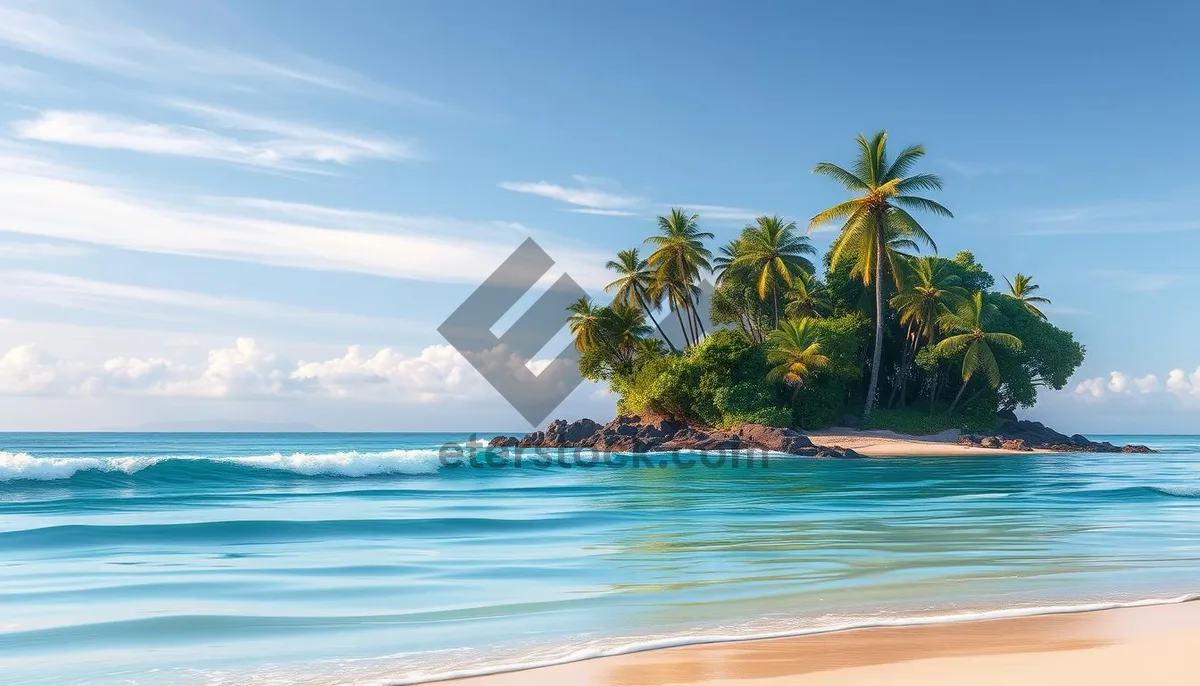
327 558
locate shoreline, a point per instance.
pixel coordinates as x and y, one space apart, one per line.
1098 644
884 443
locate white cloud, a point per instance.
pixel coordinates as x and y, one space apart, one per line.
51 202
1182 383
41 250
289 146
250 370
1121 384
89 35
29 370
587 196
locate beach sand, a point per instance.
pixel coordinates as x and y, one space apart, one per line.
891 444
1143 645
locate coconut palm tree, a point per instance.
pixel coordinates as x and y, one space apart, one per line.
808 298
973 343
678 261
584 323
929 290
772 254
884 196
623 327
1022 288
795 351
634 281
725 264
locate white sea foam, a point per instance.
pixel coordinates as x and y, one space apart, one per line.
23 466
830 626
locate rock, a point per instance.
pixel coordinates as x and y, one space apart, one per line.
1135 448
968 439
577 433
989 442
1015 444
532 440
773 438
851 454
503 442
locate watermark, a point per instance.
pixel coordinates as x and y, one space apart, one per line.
503 360
471 455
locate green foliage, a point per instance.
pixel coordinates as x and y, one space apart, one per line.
945 351
821 401
978 416
1049 357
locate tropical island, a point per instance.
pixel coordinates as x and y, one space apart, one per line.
882 334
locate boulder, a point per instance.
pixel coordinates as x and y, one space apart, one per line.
773 438
1015 444
533 440
989 442
503 442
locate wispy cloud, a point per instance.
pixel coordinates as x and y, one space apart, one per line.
719 212
974 169
30 251
589 197
62 290
1112 218
17 78
1137 281
603 213
273 144
52 202
87 35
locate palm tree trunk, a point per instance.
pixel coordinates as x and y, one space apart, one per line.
646 309
775 299
699 320
877 355
682 328
905 360
958 396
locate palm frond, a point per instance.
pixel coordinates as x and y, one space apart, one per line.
848 179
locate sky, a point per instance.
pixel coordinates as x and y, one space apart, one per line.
261 211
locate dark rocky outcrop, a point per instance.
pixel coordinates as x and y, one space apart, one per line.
1026 435
635 434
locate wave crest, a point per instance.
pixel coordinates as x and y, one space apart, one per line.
26 467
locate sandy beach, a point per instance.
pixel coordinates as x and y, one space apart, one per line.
891 444
1147 645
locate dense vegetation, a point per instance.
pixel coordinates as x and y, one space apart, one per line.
883 337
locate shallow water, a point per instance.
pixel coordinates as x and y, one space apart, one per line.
323 558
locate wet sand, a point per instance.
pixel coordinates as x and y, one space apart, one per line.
1143 645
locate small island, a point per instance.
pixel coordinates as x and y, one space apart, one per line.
880 338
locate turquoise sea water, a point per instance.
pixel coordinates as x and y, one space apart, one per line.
359 558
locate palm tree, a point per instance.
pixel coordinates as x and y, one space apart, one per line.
795 350
929 291
677 262
772 253
633 284
808 298
585 324
884 197
1021 288
623 327
726 264
973 343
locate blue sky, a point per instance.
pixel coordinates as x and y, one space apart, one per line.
261 211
